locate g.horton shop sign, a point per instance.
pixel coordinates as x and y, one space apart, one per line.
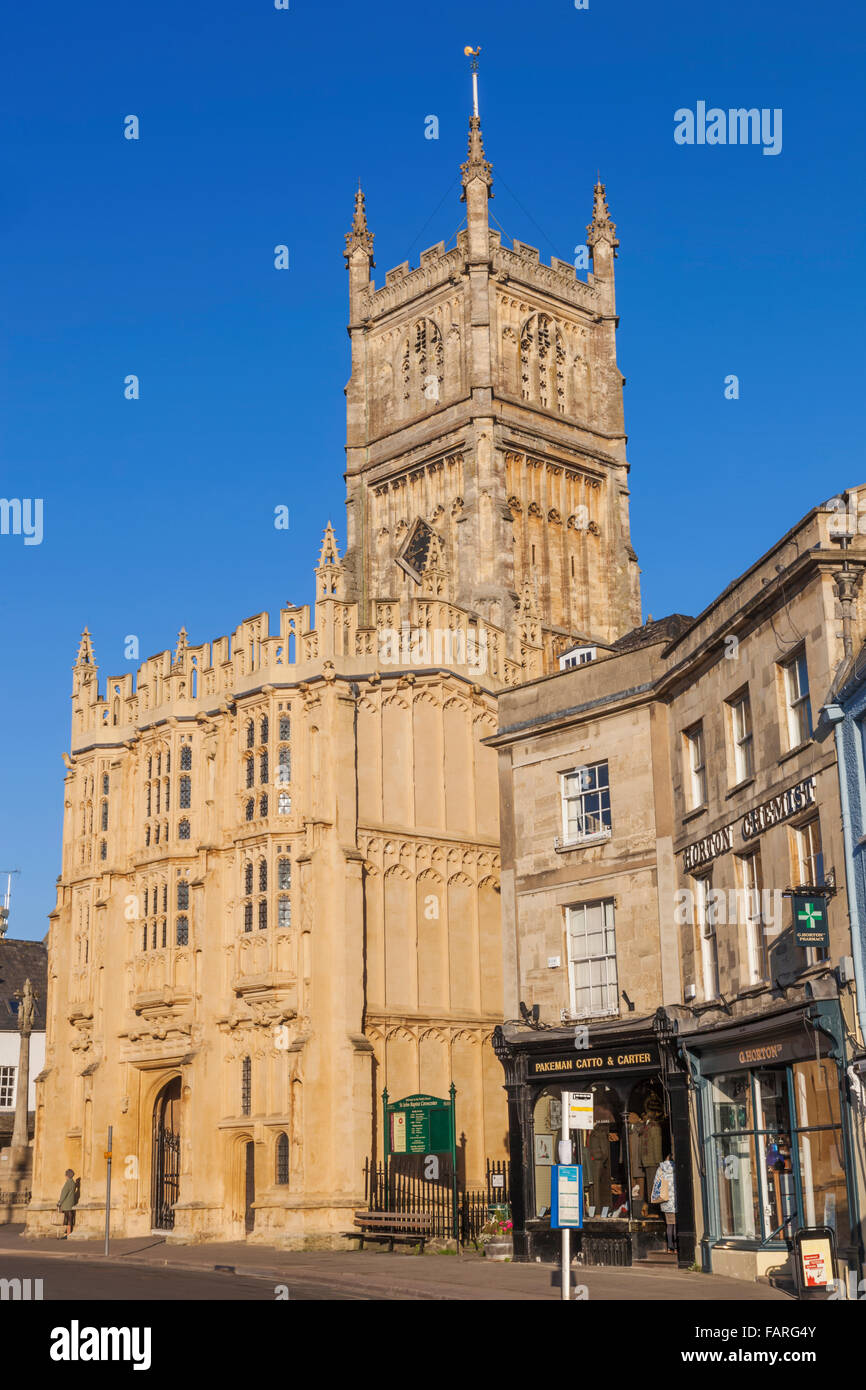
773 812
583 1062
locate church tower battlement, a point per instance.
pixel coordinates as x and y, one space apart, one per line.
485 406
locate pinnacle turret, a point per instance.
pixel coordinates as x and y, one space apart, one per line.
601 228
360 238
85 655
476 166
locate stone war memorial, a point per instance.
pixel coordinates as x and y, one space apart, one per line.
280 885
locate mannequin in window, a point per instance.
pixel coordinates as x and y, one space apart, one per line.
649 1146
598 1150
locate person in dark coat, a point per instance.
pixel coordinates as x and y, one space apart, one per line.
66 1203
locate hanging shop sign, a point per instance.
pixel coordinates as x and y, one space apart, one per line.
777 809
811 927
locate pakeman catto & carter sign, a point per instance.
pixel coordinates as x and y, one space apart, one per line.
772 812
615 1059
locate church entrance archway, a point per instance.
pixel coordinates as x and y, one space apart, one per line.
165 1159
249 1187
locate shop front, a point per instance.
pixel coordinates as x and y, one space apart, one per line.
775 1139
636 1120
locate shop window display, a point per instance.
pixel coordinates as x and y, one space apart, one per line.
774 1130
620 1154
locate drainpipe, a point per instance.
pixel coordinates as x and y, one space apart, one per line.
834 715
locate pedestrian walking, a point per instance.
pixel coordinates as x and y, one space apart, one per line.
66 1204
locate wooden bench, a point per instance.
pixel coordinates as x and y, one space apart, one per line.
407 1227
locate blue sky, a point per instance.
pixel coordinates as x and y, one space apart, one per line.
155 257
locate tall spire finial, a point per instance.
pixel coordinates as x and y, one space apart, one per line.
360 236
85 655
476 166
601 228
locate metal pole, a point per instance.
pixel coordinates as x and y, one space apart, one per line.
566 1233
453 1094
108 1191
386 1142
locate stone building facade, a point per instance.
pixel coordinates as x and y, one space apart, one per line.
280 886
660 804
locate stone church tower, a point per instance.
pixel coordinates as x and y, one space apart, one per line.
280 886
485 409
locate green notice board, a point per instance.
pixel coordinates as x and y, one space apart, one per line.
420 1125
423 1125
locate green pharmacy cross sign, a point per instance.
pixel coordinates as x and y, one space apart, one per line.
423 1125
810 920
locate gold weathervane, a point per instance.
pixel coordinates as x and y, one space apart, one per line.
472 53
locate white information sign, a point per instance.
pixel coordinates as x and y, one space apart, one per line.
580 1113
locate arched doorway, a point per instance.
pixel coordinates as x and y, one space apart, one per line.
249 1187
165 1158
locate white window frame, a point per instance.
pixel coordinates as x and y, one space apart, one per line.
696 766
742 738
8 1076
604 977
578 656
583 816
704 917
807 871
751 883
798 709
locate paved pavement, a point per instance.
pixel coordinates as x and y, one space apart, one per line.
353 1274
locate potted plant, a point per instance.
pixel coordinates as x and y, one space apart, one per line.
496 1234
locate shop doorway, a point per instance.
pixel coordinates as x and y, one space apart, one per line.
249 1187
165 1156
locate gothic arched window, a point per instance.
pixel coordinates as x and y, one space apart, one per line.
185 792
281 1166
284 911
284 773
185 758
263 729
182 931
182 896
284 805
251 734
263 876
285 726
183 830
263 767
248 916
263 914
246 1085
250 771
248 879
249 809
263 806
